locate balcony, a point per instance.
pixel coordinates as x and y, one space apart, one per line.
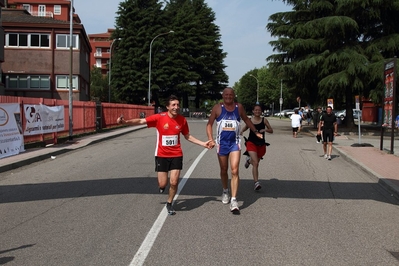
46 14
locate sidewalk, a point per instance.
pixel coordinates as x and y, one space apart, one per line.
38 154
383 166
366 154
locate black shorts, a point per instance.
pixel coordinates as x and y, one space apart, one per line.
163 164
328 135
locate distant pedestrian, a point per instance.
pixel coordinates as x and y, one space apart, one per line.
308 116
168 152
397 123
295 123
328 122
256 147
316 117
301 114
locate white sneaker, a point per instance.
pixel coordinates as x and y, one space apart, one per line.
329 157
225 197
234 206
257 186
325 156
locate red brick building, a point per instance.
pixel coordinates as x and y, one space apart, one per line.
101 50
37 51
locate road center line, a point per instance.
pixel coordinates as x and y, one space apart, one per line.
149 240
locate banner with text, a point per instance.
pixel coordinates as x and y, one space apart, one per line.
41 119
11 138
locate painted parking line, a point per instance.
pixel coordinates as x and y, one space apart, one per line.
149 240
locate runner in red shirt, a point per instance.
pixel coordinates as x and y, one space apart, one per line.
168 152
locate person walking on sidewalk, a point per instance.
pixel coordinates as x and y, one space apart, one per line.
228 115
256 147
295 123
328 122
168 151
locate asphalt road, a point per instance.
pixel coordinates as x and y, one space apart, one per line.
100 205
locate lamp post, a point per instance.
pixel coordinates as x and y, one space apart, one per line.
109 69
149 66
70 72
281 95
257 88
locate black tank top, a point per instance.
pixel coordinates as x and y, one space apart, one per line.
253 138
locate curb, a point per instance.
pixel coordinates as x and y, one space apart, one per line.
62 150
392 188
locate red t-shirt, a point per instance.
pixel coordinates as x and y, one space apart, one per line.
168 133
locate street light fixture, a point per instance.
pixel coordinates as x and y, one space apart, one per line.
257 88
109 68
149 66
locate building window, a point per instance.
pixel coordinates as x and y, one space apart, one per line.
63 41
98 52
27 40
57 9
63 82
28 82
42 10
98 62
27 7
39 40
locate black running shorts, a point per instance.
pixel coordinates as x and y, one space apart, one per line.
163 164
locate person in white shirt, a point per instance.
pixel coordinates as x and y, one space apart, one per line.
295 123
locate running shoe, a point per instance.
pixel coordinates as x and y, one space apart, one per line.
247 163
225 197
234 206
161 189
329 157
170 209
257 186
325 156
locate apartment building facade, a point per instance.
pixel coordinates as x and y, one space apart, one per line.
37 54
101 45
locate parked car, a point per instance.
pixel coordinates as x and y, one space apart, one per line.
356 114
267 113
342 114
283 112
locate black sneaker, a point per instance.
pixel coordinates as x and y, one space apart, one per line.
170 209
161 189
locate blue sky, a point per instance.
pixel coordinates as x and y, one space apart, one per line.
242 26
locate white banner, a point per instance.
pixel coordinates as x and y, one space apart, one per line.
41 119
11 138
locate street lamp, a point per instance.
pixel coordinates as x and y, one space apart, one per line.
109 69
281 95
71 72
257 88
149 66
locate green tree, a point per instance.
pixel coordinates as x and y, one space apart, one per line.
196 68
334 48
188 62
137 23
98 86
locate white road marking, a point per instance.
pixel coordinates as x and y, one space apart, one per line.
149 240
